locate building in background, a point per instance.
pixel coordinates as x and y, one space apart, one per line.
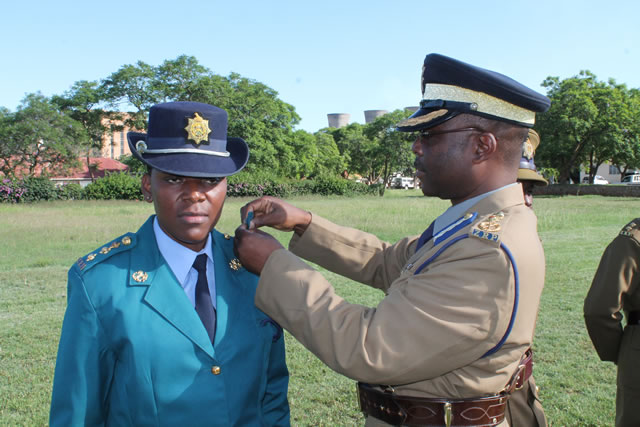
114 144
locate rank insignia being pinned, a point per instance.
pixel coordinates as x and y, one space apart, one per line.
235 264
91 257
139 276
126 240
198 129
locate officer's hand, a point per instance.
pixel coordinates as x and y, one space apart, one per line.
253 248
275 213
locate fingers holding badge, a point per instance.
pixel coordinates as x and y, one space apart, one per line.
248 219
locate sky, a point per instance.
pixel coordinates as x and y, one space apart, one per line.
321 57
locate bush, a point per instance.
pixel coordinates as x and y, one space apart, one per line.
38 189
11 191
71 191
119 185
136 167
257 184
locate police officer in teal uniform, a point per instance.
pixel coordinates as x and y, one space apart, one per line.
161 326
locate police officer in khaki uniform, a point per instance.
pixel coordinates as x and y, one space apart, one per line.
524 407
615 292
446 345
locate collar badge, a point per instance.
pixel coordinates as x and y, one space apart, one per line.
235 264
198 129
139 276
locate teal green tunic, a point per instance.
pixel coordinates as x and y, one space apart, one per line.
133 350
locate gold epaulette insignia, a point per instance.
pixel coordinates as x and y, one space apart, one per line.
126 240
628 229
235 264
492 224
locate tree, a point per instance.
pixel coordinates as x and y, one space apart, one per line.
351 142
390 150
628 157
585 124
256 115
83 103
176 80
38 136
133 85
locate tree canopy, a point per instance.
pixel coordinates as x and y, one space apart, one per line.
38 136
589 122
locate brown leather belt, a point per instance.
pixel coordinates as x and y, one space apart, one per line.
634 318
418 411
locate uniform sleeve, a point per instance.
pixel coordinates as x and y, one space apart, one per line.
424 328
84 365
275 406
352 253
616 275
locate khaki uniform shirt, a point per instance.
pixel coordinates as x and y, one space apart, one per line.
428 335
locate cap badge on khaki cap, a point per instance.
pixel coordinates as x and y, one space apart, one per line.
527 149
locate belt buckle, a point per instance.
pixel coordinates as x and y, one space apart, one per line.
447 414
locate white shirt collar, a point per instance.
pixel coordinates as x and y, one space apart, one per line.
179 258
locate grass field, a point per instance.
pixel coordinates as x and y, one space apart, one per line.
40 241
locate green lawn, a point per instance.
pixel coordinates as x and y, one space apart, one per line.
39 242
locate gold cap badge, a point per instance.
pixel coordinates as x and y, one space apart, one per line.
198 129
527 150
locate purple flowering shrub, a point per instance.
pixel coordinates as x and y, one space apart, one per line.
11 191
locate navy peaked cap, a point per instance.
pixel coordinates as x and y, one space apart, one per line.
189 139
451 87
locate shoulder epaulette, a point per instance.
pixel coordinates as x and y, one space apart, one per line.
122 243
454 227
489 227
632 229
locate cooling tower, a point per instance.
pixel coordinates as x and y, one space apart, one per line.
371 115
338 120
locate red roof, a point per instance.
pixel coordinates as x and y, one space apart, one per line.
102 165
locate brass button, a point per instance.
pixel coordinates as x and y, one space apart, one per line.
215 370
